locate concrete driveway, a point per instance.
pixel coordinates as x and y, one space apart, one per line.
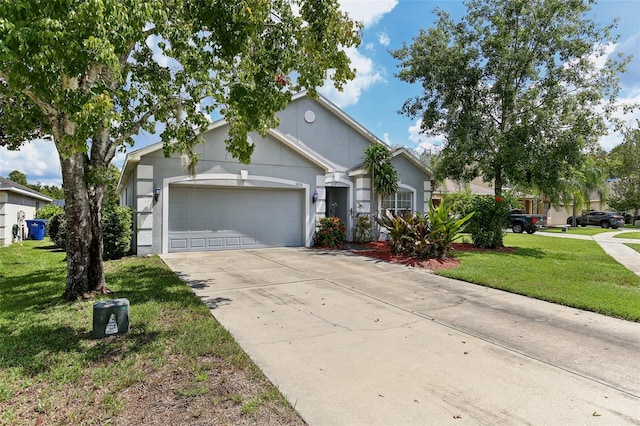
353 341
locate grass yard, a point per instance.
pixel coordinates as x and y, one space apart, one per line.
588 230
629 235
562 270
636 247
177 365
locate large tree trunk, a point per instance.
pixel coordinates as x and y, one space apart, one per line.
497 183
83 204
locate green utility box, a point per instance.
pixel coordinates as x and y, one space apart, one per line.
110 317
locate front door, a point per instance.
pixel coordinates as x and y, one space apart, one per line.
337 203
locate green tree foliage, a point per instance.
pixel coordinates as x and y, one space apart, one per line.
49 190
514 88
49 211
91 75
52 191
491 217
18 177
624 161
577 189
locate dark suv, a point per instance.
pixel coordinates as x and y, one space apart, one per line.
602 219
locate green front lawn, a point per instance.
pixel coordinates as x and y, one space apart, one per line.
177 365
562 270
588 230
629 235
636 247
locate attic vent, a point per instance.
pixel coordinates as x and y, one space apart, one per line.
309 116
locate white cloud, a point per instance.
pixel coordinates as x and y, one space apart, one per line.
367 74
37 159
383 39
369 12
422 141
628 119
603 54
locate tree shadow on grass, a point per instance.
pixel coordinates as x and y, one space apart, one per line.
529 252
30 348
38 325
507 252
33 349
52 248
32 291
150 282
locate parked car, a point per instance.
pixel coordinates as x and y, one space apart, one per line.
598 218
519 221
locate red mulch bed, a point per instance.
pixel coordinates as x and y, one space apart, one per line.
382 250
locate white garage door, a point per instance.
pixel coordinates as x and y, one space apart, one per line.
232 218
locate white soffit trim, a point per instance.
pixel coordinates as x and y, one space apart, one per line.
27 193
299 147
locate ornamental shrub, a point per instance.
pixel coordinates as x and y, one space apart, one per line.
362 228
58 230
491 217
116 232
424 236
445 228
399 230
331 232
48 211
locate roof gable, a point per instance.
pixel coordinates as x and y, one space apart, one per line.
293 142
11 186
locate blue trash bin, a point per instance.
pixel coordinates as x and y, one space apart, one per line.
36 228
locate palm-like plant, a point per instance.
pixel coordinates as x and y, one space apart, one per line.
384 177
377 162
577 189
445 228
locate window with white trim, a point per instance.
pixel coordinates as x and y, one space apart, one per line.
399 203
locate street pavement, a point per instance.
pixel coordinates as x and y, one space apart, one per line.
350 340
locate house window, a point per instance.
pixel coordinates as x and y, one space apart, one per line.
399 203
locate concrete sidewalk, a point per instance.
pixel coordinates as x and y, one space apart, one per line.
616 248
353 341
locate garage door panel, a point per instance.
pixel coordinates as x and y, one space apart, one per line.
231 218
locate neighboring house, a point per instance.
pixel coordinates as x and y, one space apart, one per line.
14 199
559 215
450 186
556 216
306 168
477 186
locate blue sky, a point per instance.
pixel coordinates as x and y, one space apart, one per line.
376 95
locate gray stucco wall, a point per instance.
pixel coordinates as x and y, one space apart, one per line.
271 158
412 176
273 164
327 135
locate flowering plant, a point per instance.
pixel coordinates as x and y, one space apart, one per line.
331 232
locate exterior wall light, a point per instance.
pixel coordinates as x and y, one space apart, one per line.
156 193
314 197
